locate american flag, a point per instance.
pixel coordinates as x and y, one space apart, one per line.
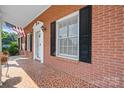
20 31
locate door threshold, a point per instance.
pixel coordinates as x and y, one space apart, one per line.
37 60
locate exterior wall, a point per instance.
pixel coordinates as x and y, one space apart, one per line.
107 67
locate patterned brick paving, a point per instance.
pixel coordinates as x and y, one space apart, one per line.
47 77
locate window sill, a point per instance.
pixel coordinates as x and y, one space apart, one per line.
66 59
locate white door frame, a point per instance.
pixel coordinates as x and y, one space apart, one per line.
36 28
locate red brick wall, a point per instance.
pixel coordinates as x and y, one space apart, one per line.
107 68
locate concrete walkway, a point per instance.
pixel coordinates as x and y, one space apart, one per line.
27 73
17 76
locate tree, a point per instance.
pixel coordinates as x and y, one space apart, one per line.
9 40
4 34
8 37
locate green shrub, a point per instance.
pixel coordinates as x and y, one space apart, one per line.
4 49
13 49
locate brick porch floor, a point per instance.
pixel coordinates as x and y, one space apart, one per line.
28 73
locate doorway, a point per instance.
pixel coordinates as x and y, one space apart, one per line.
38 44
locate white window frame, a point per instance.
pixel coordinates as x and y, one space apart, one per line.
57 48
28 42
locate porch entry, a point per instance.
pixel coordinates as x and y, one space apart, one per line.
38 42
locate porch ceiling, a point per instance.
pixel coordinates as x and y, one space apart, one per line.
21 15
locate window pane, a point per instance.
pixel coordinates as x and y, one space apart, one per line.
65 50
75 41
70 50
75 51
63 46
73 20
73 30
62 29
73 26
60 45
61 42
72 46
75 46
63 32
70 42
61 49
65 42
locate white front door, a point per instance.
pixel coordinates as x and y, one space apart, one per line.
39 45
38 41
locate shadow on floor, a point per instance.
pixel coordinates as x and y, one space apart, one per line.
10 83
15 58
11 65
